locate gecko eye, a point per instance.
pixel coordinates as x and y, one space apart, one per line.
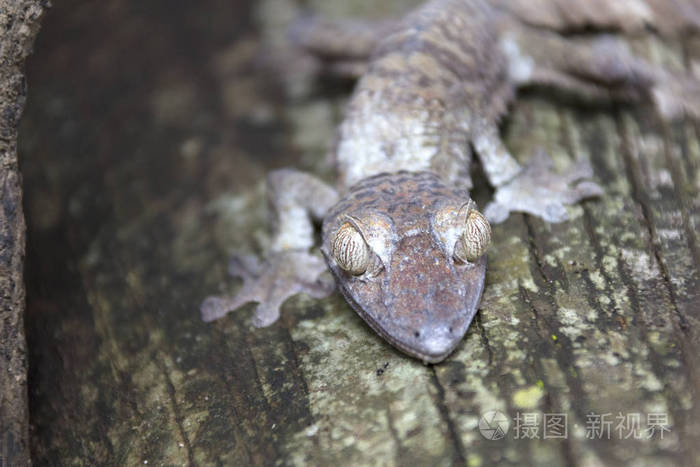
475 238
350 250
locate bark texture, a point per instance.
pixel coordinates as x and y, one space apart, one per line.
19 23
145 146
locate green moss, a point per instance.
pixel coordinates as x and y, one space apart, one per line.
528 398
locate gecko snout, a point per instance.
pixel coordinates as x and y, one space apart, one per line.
438 341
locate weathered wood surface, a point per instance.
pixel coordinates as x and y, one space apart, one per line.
19 22
148 133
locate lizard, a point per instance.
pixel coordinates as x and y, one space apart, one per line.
400 234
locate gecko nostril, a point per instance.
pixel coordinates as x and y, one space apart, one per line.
450 330
417 334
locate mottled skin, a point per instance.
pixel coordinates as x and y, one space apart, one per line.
418 297
432 88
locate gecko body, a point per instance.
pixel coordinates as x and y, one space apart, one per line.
400 234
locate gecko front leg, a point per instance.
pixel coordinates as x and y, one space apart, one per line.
539 191
602 68
296 199
534 188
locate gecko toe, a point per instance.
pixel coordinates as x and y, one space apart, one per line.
543 193
554 212
244 266
266 314
213 308
588 189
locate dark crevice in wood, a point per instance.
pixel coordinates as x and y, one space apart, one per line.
686 347
298 374
176 410
565 364
657 365
234 395
634 177
484 337
690 166
593 238
535 253
263 426
563 349
567 450
394 434
460 456
679 181
550 407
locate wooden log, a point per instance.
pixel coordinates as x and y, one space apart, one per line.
144 172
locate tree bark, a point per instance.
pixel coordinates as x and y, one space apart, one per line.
19 23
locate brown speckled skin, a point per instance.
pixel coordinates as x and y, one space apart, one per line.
432 84
418 297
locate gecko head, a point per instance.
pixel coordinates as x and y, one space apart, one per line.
408 254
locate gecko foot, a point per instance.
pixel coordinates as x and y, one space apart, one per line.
540 192
284 274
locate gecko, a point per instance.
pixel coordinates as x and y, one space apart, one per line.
400 234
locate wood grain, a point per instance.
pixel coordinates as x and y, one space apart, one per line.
146 141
